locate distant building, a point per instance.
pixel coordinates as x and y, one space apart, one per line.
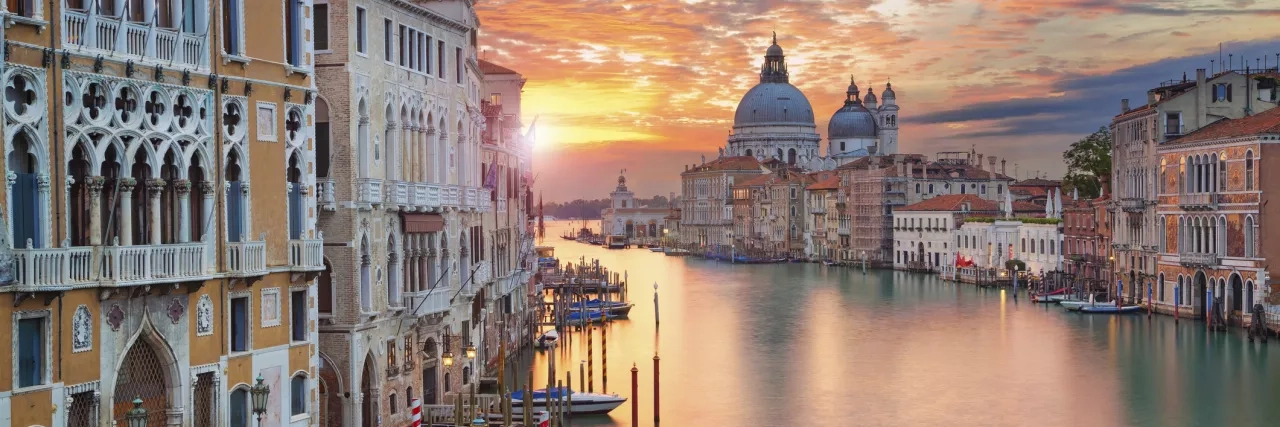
1085 246
706 216
624 217
822 219
990 243
925 233
1034 190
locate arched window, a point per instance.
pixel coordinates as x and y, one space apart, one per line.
791 156
298 395
366 290
1159 178
239 407
1182 175
1162 242
917 188
236 229
1248 237
1248 170
293 176
748 152
1160 287
393 403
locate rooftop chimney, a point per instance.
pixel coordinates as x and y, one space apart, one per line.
992 161
1002 168
980 155
1151 98
1124 105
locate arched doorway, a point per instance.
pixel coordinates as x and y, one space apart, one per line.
429 374
369 394
1237 297
631 229
331 390
144 374
791 156
1198 288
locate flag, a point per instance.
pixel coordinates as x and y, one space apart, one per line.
491 179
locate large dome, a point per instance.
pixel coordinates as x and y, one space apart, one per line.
771 103
852 121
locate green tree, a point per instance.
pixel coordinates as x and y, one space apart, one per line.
1089 163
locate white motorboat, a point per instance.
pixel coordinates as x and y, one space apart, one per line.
583 403
655 249
546 340
1074 305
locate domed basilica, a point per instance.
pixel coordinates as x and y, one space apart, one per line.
775 120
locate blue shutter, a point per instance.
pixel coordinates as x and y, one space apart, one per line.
239 327
26 214
30 352
235 213
239 408
295 211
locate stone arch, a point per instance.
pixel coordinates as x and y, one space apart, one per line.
1199 283
158 381
368 392
1236 293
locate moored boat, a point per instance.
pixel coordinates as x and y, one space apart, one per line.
676 252
1074 305
583 403
1110 309
656 249
546 340
615 308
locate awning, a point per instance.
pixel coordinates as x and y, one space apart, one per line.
422 222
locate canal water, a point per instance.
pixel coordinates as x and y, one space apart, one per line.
806 344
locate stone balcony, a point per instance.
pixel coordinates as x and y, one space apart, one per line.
306 255
426 303
143 41
424 197
327 193
1195 259
247 259
1198 201
817 209
1132 204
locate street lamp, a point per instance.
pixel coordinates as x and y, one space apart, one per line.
447 357
259 392
138 415
471 351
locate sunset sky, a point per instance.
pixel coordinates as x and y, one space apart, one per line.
651 85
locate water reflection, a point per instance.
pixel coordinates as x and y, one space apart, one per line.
805 344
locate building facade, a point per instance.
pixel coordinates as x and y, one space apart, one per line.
1086 249
408 259
706 216
1173 109
154 270
1213 190
822 222
624 217
924 233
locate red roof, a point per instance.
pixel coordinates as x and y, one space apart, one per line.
1264 122
755 181
728 163
831 183
487 67
954 202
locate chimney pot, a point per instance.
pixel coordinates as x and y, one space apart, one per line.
1124 105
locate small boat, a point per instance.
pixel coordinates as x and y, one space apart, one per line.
591 316
546 340
1074 305
676 252
583 403
1110 309
828 263
656 249
1047 299
615 308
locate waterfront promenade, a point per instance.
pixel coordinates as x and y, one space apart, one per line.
805 344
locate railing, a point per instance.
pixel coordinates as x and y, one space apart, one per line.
328 196
88 28
53 268
428 302
369 191
128 265
1198 201
818 209
306 254
399 193
1132 204
247 258
1198 259
483 274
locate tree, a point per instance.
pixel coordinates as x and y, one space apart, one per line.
1089 163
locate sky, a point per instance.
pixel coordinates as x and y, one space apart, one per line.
650 86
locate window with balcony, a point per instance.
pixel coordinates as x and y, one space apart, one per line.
320 22
366 286
24 214
240 324
235 203
362 36
1249 236
294 46
233 27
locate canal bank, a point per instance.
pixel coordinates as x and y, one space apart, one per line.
806 344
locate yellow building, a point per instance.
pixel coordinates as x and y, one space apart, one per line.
159 204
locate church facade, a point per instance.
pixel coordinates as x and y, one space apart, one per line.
624 217
774 120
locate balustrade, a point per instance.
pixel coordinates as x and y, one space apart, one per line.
53 268
247 258
306 254
115 34
428 302
1198 259
1198 201
143 264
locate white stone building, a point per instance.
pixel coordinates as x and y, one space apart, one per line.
625 217
989 244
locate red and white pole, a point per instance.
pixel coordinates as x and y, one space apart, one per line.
415 411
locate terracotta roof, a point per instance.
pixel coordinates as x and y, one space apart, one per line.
952 203
487 68
1264 122
831 183
755 181
1037 182
728 163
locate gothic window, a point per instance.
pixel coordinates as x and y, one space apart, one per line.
156 110
239 407
366 287
1249 236
298 395
233 122
293 175
235 203
1248 170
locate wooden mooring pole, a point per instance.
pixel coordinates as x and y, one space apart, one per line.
656 396
635 396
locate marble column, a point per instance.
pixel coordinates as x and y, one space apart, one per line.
207 228
95 185
125 213
184 211
155 187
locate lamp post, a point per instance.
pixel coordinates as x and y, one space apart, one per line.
137 416
259 392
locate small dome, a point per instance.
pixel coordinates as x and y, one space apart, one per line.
773 103
870 98
852 121
888 92
774 50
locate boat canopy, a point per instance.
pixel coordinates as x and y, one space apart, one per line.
542 394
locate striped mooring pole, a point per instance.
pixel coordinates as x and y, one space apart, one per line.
604 359
415 411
